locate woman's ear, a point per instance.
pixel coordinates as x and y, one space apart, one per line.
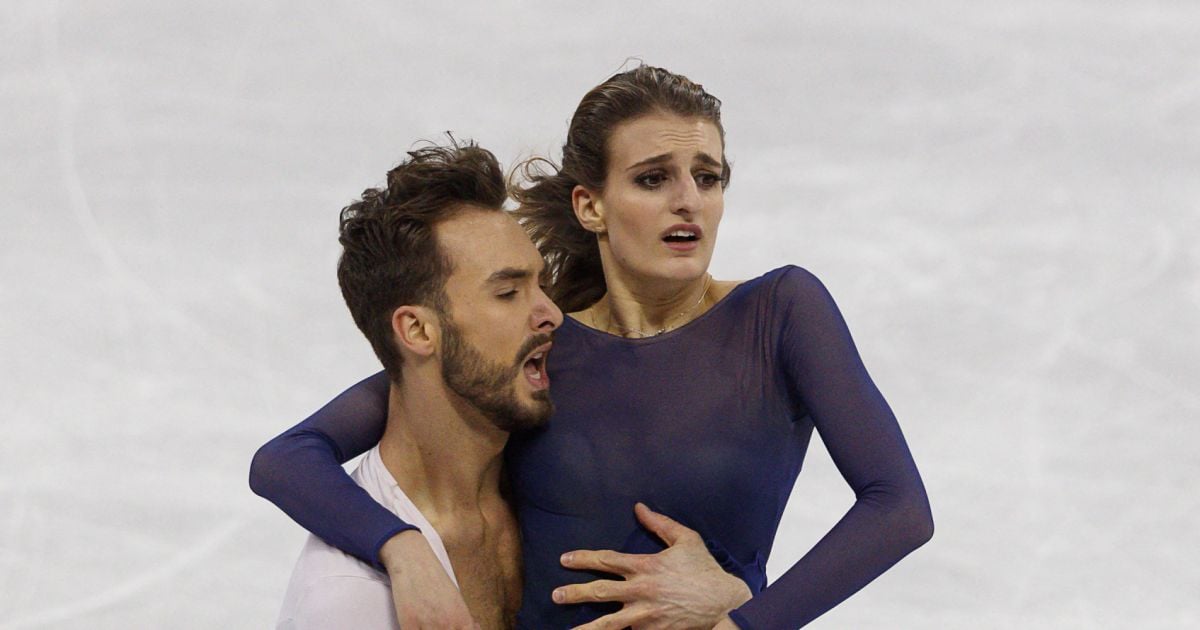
415 329
589 209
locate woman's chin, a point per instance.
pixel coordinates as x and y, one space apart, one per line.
670 268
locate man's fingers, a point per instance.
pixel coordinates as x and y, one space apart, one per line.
603 560
597 591
624 618
665 527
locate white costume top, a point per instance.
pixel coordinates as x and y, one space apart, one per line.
331 589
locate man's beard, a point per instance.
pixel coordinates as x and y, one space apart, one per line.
491 387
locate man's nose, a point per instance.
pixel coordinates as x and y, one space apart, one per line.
546 314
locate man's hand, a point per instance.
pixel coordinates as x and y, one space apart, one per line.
424 596
679 587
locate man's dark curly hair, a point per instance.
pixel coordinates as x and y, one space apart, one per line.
390 257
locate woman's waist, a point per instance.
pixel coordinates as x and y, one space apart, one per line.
547 535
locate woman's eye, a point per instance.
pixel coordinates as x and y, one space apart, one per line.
708 180
651 180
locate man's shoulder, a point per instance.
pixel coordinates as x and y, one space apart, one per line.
341 602
319 559
330 589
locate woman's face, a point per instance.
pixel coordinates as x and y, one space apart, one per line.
662 199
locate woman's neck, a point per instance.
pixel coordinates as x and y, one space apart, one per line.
636 309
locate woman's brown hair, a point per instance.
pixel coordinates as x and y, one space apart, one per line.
544 196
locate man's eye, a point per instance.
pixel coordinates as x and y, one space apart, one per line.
507 295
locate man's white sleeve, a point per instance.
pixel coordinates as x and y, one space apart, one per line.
343 602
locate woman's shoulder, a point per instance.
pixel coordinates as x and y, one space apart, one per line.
785 293
785 280
770 296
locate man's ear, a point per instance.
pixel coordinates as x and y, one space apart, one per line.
415 329
589 209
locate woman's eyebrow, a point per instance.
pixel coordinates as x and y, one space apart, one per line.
666 157
658 159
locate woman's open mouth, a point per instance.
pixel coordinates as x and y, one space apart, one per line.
683 237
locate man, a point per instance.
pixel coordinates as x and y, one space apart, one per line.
446 287
462 332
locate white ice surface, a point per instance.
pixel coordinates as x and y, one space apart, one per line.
1003 197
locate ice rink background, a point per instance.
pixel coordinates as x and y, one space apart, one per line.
1003 197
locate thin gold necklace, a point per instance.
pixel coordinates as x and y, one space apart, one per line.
625 332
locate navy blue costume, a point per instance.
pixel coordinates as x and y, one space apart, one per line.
707 423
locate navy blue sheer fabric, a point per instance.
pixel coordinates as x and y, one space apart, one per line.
708 423
300 472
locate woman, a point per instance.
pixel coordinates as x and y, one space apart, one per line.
695 396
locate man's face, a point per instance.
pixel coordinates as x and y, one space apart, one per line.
498 329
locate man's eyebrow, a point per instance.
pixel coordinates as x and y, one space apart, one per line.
666 157
509 273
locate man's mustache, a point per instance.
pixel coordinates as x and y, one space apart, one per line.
532 343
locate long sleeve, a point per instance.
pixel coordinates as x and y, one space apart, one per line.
890 516
300 472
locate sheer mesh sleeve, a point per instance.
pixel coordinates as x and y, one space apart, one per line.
300 472
890 516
